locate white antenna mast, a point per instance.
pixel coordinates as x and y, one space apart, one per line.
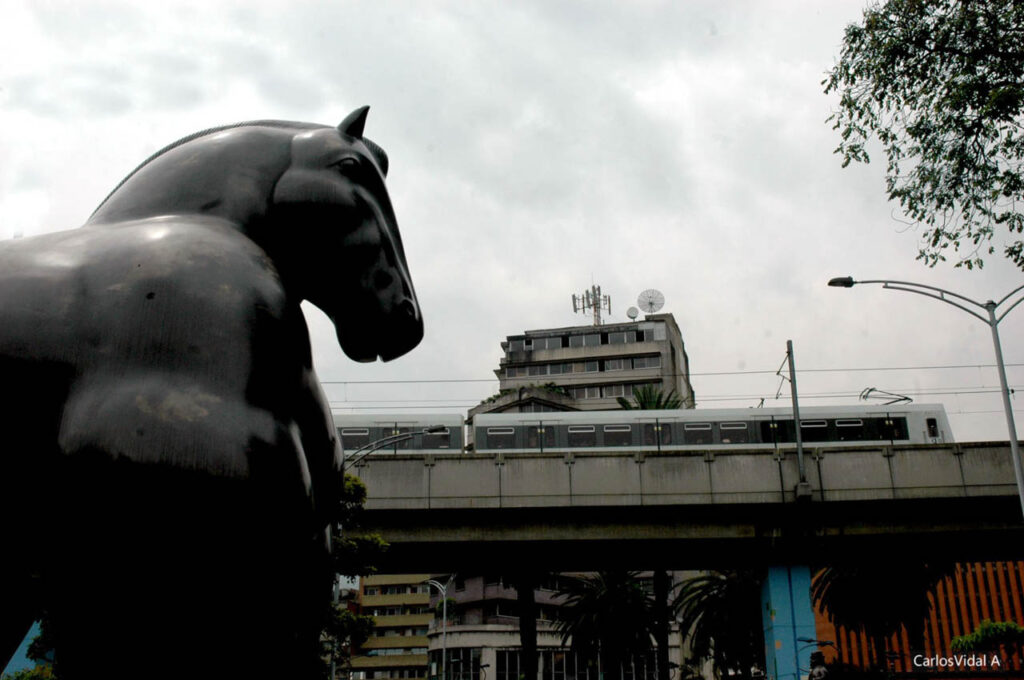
592 300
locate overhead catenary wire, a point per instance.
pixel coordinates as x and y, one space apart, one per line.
578 376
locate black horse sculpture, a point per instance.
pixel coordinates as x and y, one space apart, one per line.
168 464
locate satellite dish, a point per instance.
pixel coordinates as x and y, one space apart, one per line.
632 313
651 300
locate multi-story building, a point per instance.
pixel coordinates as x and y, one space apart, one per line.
589 367
482 634
400 607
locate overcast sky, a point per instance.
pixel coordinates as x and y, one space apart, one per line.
536 148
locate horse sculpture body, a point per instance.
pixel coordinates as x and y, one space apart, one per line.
169 467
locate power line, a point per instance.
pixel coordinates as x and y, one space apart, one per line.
577 376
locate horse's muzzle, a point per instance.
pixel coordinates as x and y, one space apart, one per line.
404 331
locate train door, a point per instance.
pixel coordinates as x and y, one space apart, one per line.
778 431
654 433
539 436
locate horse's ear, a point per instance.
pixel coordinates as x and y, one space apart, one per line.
354 123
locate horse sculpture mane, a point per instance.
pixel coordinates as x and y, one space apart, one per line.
161 412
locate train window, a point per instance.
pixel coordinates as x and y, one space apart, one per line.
654 431
849 429
501 437
734 433
354 437
697 433
534 434
814 430
618 435
437 440
582 435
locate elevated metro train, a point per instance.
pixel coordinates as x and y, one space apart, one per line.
696 429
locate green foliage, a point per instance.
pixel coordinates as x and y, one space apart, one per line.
649 398
548 387
879 599
354 554
343 632
989 636
607 614
43 672
940 85
719 612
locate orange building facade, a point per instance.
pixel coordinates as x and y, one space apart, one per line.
975 592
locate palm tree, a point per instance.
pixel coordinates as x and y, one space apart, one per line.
650 397
879 599
606 616
720 613
526 583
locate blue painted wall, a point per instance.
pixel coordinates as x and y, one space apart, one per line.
787 616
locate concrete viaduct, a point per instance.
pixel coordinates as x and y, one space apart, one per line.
695 509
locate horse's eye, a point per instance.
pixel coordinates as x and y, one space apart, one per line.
347 163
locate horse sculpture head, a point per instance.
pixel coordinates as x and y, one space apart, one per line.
313 198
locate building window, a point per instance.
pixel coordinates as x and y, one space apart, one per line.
647 362
615 364
507 662
518 345
614 391
621 338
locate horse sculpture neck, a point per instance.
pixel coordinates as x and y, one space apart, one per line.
228 175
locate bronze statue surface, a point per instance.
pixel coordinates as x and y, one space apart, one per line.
169 467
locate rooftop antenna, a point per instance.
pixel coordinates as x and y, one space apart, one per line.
592 300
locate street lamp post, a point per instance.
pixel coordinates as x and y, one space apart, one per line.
378 444
443 589
357 456
992 320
